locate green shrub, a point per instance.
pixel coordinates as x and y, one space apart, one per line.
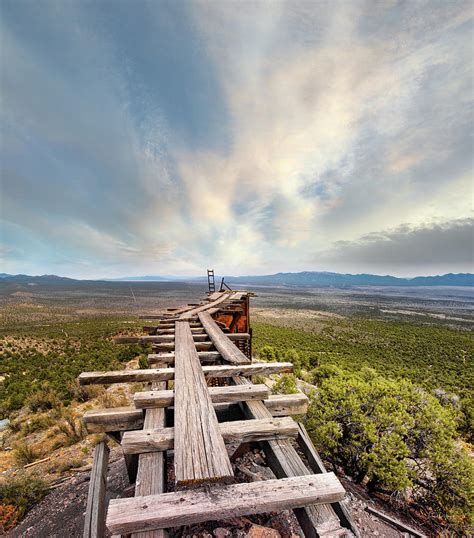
143 362
44 399
286 384
258 379
267 353
72 428
395 436
22 491
84 393
112 399
36 423
25 453
66 465
86 347
294 357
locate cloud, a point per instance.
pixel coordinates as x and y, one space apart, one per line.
448 246
166 139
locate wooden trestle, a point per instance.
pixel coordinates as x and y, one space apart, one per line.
193 345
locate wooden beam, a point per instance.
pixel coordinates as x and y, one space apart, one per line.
169 346
165 398
315 520
238 431
165 374
169 330
395 523
113 419
282 405
131 418
94 524
200 454
219 503
168 358
317 466
222 343
151 476
154 338
225 296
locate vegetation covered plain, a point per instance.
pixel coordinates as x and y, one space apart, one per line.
391 401
391 407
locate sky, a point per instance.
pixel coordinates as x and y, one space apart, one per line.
154 137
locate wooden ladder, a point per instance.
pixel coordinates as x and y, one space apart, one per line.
210 281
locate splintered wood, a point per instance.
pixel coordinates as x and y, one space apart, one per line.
200 454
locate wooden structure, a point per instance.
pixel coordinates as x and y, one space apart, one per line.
194 348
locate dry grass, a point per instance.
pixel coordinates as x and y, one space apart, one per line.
25 453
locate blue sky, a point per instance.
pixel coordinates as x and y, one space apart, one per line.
253 137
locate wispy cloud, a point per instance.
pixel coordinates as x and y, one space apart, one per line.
165 137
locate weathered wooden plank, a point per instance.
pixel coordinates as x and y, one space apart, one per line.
161 339
113 419
200 454
94 524
168 358
154 338
218 503
169 330
395 523
235 393
131 418
317 466
165 374
151 476
315 520
221 341
214 295
195 311
169 346
238 431
282 405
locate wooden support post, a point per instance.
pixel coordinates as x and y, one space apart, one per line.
94 525
131 463
200 454
219 503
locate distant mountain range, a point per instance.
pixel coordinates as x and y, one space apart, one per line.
313 279
325 279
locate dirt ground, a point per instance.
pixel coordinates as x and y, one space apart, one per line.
61 513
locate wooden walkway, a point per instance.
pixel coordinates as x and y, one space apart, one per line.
200 375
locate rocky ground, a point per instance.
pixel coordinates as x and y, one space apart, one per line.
61 513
